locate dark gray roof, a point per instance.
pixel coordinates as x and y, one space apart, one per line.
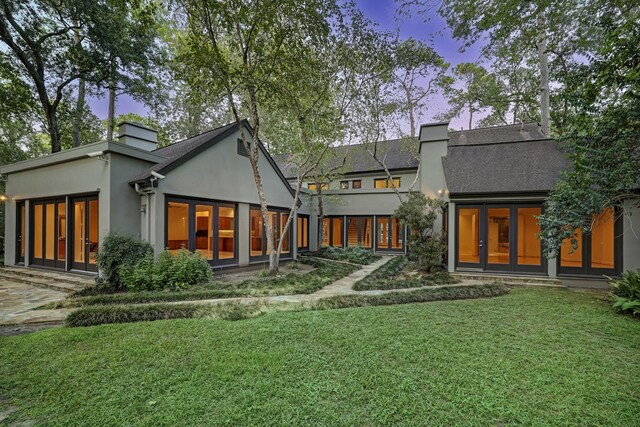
397 154
503 167
497 134
181 150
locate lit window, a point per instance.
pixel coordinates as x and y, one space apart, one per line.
314 187
344 185
356 184
386 183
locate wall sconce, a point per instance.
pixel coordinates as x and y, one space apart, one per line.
3 198
443 192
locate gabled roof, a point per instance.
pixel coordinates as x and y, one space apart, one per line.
497 134
181 151
178 152
529 166
397 154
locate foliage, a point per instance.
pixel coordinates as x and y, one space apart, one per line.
626 291
117 252
601 138
386 277
125 314
326 272
171 271
353 254
426 246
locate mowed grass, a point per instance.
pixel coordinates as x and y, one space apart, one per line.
532 357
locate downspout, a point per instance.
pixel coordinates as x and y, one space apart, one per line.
147 192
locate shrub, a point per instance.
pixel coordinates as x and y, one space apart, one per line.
426 247
124 314
419 295
353 254
175 272
626 292
119 251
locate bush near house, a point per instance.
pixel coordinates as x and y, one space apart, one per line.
171 271
353 254
119 251
626 292
426 246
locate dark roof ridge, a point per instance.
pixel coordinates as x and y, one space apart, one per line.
521 141
194 136
495 127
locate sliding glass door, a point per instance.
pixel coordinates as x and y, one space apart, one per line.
20 235
205 227
333 232
258 237
360 231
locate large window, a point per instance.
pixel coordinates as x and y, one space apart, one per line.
389 233
201 226
332 231
48 233
314 187
360 231
529 247
594 253
258 237
303 232
387 183
469 235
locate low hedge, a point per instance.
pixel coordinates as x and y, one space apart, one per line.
326 273
353 254
419 295
90 316
384 277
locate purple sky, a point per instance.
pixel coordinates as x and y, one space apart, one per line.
382 12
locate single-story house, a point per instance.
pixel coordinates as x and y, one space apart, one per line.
200 194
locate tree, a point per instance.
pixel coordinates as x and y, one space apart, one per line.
242 50
546 32
426 246
601 138
479 90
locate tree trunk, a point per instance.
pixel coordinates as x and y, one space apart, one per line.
470 116
112 103
543 58
78 113
320 212
54 132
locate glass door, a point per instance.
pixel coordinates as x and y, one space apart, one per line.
389 234
20 236
498 249
48 233
469 243
84 233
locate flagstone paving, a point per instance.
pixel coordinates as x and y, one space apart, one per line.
18 300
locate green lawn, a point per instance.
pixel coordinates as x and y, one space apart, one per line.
533 357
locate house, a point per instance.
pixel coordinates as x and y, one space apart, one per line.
200 194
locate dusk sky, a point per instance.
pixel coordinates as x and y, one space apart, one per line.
384 13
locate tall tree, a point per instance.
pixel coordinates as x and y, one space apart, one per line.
601 137
238 48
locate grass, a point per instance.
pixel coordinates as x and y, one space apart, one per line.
532 357
326 272
386 277
104 314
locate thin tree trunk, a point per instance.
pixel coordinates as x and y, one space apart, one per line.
320 212
78 113
543 58
112 103
470 116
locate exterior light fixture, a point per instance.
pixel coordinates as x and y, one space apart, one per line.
3 198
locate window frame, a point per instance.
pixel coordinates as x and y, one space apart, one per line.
344 185
353 184
191 228
265 254
305 226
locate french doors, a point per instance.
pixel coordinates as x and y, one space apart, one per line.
499 237
84 232
20 236
389 234
48 241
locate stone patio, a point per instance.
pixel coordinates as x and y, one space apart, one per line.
18 300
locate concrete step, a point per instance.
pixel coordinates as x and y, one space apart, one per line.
41 282
53 276
511 279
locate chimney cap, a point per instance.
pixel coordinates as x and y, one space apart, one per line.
438 131
136 124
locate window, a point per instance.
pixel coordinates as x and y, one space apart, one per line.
469 235
314 187
386 183
344 185
332 231
241 149
360 231
204 227
303 232
356 183
257 233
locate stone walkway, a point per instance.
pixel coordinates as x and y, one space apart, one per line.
18 300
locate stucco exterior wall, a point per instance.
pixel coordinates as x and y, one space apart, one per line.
631 236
